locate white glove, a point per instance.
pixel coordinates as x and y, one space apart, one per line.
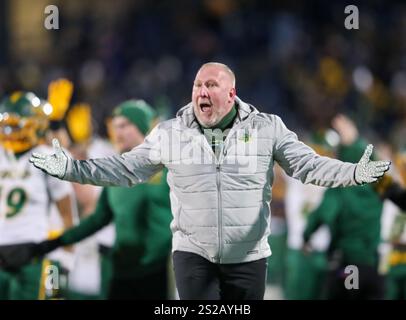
54 164
368 171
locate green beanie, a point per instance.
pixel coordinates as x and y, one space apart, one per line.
138 112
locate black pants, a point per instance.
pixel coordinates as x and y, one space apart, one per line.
153 286
200 279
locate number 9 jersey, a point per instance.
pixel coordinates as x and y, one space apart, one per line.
26 195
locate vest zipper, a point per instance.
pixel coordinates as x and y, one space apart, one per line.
220 214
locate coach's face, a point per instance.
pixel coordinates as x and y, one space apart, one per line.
213 95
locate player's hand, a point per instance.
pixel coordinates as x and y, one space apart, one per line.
368 171
55 164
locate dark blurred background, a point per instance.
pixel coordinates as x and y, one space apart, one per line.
295 59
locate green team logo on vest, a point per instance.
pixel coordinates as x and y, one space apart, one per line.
15 201
246 137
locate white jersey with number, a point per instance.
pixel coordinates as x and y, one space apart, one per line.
25 197
300 200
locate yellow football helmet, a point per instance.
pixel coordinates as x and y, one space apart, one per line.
23 121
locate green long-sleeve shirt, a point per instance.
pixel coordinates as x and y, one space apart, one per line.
141 216
352 215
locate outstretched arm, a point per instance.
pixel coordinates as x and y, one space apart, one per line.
301 162
133 167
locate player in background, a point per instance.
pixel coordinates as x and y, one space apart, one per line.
25 199
353 216
141 215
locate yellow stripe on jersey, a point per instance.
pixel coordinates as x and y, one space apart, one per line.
397 257
42 290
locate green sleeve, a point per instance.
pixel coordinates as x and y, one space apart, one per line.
91 224
326 213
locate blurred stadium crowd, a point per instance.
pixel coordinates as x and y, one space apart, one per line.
292 59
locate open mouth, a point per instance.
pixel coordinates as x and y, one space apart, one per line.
205 106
